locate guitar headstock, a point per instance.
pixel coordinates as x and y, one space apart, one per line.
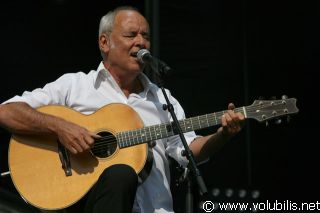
264 110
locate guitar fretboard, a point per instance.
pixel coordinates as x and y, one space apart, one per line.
154 132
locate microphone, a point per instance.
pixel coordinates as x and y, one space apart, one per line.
144 56
156 64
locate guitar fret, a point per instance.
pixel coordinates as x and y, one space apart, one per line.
183 125
139 135
188 125
145 134
142 135
149 131
191 124
215 118
127 139
122 134
120 139
167 128
135 137
159 126
202 122
195 123
199 121
207 120
124 139
156 132
162 130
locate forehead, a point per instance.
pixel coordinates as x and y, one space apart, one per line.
130 20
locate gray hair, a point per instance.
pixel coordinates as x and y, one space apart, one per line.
107 21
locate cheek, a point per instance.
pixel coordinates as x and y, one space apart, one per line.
148 45
112 44
120 45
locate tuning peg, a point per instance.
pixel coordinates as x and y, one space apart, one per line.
283 97
267 123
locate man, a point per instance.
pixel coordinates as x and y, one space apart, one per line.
118 79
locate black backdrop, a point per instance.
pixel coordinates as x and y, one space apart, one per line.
221 51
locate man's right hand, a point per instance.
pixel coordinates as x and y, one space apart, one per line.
74 137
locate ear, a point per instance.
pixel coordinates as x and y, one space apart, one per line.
104 43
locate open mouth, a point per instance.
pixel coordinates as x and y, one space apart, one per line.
134 54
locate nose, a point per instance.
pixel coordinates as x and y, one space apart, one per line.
141 42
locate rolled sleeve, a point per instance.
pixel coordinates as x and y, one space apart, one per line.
174 144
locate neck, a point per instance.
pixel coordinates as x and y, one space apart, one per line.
134 87
128 82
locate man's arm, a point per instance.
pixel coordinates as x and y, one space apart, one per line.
20 118
231 123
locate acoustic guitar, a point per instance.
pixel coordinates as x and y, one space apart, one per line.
48 177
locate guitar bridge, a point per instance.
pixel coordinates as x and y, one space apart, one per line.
65 159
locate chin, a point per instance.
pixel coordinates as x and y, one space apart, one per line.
136 69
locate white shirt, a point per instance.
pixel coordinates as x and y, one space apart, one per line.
87 93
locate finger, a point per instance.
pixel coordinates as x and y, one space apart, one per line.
84 144
229 119
232 115
225 124
77 147
240 116
233 121
223 120
231 106
95 135
89 139
72 150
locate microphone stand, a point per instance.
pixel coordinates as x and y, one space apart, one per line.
192 166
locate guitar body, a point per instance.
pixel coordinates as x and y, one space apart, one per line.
36 169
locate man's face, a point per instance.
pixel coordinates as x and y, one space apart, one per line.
130 33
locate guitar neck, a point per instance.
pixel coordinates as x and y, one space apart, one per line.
154 132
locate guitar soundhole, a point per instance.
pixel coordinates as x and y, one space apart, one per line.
105 146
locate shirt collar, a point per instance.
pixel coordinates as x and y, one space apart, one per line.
147 84
101 69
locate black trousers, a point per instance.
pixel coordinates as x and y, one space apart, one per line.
114 192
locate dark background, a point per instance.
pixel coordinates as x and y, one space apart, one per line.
221 52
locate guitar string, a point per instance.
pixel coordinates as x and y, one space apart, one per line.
218 113
100 143
248 109
210 115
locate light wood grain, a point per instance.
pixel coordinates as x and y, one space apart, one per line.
36 169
